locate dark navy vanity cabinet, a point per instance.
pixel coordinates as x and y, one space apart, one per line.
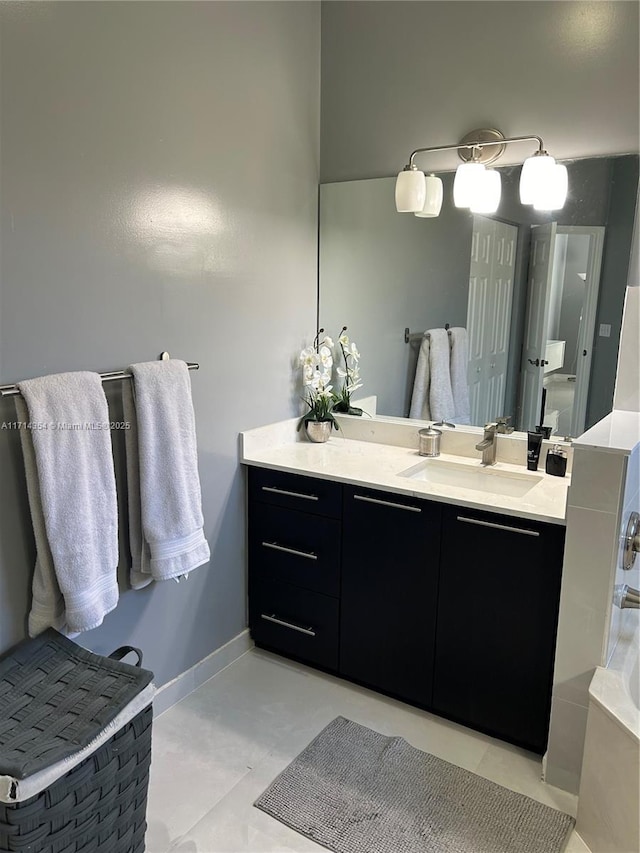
295 543
497 620
450 609
390 560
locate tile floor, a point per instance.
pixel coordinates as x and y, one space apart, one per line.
218 749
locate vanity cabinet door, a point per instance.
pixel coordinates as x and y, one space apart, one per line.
295 547
497 620
293 491
390 554
294 565
295 622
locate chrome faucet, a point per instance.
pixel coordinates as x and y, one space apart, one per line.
625 596
488 445
504 424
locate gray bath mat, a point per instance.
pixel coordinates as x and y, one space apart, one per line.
356 791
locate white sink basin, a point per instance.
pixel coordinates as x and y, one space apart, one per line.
491 480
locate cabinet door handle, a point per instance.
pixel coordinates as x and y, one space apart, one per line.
387 503
498 526
289 494
308 554
273 618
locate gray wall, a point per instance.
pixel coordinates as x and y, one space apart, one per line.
400 75
159 191
381 272
614 278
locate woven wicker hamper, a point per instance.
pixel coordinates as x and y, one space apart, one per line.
61 706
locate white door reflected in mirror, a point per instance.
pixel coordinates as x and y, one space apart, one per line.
564 281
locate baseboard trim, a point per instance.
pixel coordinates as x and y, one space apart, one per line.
185 683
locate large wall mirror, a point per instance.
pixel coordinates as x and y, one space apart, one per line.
382 272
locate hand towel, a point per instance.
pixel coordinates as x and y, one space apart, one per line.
140 569
72 497
440 396
420 396
165 501
459 366
47 603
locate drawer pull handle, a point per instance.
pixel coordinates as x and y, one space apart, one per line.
387 503
498 526
289 494
273 618
308 554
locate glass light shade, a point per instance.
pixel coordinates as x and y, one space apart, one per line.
466 182
488 192
411 191
537 171
552 194
433 199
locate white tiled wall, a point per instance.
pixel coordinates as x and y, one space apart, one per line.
630 503
627 393
609 795
594 508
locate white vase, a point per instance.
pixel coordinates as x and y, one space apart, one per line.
318 431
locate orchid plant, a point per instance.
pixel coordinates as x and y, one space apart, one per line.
350 373
317 366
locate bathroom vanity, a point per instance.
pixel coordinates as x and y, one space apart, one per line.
410 586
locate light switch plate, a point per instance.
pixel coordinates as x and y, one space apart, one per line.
605 330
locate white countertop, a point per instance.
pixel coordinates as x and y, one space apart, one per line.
378 466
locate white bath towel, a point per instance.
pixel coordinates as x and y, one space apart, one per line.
140 569
440 396
165 502
420 396
72 497
459 364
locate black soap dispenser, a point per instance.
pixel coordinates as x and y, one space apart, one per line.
556 464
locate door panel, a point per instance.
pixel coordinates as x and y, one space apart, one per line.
543 239
489 315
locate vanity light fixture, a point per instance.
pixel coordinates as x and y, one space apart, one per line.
554 193
467 184
433 197
487 198
543 182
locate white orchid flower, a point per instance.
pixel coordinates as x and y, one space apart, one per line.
307 352
341 372
326 361
327 342
353 352
343 340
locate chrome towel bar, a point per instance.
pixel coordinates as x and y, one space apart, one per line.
109 376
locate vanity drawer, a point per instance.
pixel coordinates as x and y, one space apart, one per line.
295 547
295 622
292 491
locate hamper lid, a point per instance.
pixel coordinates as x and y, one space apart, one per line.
55 698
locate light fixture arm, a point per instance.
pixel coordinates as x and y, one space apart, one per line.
476 144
